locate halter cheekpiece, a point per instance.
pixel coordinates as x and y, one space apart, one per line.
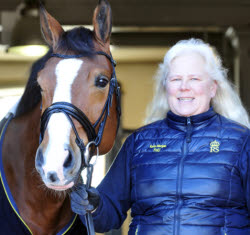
72 111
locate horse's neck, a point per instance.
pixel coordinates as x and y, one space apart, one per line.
19 148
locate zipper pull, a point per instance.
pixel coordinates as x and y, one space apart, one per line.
189 130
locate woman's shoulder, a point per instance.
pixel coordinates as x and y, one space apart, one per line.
151 130
157 124
233 127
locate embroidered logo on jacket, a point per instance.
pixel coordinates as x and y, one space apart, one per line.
158 147
214 146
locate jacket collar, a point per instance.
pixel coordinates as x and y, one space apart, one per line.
197 121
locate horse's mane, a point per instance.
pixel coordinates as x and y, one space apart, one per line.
77 41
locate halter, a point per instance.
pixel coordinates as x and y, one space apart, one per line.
72 111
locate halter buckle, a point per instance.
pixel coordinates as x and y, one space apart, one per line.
86 154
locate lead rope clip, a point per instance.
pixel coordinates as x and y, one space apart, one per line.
87 157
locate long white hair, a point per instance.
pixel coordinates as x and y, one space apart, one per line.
226 101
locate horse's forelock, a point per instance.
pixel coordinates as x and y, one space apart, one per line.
78 40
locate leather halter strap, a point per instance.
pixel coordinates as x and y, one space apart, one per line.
69 110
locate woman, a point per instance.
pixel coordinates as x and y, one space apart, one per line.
187 172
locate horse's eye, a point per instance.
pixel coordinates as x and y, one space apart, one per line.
101 81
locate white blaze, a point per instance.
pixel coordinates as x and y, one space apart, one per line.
59 126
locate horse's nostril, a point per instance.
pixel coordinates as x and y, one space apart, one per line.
68 161
52 176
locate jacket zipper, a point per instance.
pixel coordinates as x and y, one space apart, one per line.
180 178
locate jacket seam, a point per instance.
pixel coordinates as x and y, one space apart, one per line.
195 137
243 147
216 179
191 163
241 152
229 196
136 196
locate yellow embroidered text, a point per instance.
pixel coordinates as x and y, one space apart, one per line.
158 147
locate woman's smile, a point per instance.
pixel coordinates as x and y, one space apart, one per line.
185 99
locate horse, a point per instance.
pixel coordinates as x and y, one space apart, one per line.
70 106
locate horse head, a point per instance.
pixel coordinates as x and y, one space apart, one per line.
79 104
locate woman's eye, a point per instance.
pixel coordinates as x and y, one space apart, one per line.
195 79
175 79
101 81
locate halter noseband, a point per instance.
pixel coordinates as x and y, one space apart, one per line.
72 111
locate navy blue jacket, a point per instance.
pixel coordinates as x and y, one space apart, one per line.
180 176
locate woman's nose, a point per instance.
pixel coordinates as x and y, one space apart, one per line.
184 85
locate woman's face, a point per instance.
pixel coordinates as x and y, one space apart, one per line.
189 87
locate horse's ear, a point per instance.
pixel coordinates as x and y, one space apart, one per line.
50 27
102 21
